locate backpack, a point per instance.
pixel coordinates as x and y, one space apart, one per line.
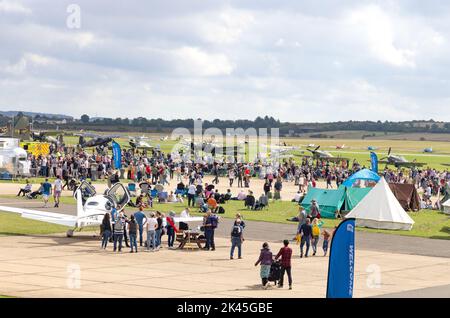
221 210
214 222
236 232
315 230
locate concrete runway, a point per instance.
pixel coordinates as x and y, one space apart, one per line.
277 232
37 266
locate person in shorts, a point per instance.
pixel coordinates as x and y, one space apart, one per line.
46 191
57 189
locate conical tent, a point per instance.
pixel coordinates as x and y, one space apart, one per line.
381 210
446 207
364 174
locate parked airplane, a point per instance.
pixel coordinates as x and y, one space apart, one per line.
45 136
399 161
340 146
320 154
90 208
139 142
95 141
214 149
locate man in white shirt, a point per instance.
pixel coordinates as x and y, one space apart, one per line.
152 224
57 189
191 194
184 214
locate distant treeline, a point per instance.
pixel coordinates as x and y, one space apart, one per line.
160 125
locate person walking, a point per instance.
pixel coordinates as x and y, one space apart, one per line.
152 224
191 195
231 176
236 238
306 234
46 191
141 219
57 189
132 232
106 229
286 254
265 259
315 210
301 218
315 235
240 177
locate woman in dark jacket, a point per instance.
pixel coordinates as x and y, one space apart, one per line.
106 230
132 232
265 258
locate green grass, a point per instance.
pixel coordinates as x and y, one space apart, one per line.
429 224
14 224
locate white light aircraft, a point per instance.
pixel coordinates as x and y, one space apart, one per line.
90 208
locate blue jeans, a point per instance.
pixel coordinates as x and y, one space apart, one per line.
158 237
315 242
105 237
209 235
170 236
307 240
118 239
141 234
236 242
133 242
151 239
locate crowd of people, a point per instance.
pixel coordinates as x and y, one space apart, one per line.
156 170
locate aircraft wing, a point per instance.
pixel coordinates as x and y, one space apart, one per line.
334 159
410 164
49 217
188 219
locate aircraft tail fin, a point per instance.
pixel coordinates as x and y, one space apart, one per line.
81 140
80 210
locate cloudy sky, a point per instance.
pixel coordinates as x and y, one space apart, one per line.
294 60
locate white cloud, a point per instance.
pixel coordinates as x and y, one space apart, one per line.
223 27
192 61
13 7
84 39
28 59
298 61
379 28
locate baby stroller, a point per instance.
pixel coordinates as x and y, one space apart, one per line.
275 272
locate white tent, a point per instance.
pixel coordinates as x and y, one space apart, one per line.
380 209
446 206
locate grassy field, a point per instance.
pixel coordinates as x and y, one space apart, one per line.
14 224
429 224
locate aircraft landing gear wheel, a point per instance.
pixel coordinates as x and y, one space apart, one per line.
69 233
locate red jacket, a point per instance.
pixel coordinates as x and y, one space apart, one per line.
286 254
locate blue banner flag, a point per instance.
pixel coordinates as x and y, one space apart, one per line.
341 265
374 161
117 155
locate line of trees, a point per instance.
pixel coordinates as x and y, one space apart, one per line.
160 125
